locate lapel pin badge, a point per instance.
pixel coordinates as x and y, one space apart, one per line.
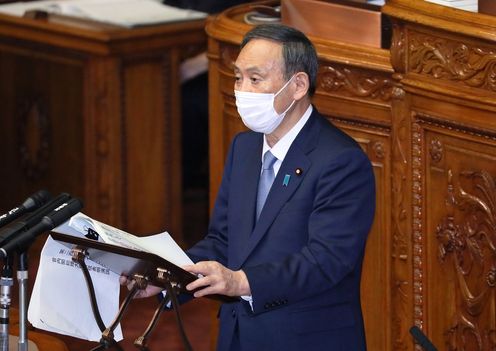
285 182
298 171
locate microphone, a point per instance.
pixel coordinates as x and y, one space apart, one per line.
53 219
31 203
32 219
421 339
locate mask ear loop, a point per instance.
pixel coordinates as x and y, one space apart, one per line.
275 95
285 85
286 111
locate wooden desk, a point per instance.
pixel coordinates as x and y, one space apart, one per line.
94 111
427 122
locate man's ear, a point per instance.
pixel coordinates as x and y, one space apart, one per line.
302 85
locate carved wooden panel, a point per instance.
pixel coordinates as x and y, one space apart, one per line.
452 59
457 246
41 109
400 252
349 81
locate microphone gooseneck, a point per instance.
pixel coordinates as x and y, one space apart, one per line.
59 215
30 204
32 219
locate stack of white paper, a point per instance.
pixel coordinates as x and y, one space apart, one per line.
60 301
467 5
127 13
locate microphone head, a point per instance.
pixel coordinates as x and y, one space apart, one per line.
64 212
36 200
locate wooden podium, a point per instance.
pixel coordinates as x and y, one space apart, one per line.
425 114
93 110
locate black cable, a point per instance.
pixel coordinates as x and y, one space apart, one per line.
107 340
91 291
175 306
141 341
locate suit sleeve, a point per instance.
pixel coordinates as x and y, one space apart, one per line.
338 225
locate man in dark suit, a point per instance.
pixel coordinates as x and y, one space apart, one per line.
298 265
294 258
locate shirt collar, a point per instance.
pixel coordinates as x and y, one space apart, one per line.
281 148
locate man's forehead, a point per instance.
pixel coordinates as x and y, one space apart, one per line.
264 43
259 53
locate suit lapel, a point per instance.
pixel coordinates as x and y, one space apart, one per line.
279 192
242 213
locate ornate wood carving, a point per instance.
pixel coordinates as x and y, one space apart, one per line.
454 126
378 148
361 123
398 51
417 214
400 293
355 82
451 60
34 138
467 241
436 150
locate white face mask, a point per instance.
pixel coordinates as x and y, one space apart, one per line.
257 110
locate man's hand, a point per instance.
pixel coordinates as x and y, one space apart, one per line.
217 279
150 290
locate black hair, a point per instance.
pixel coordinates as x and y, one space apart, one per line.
298 52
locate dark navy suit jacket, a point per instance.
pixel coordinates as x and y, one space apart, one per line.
303 256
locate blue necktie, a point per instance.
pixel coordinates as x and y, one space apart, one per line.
266 180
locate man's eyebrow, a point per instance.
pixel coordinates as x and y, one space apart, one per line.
252 69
